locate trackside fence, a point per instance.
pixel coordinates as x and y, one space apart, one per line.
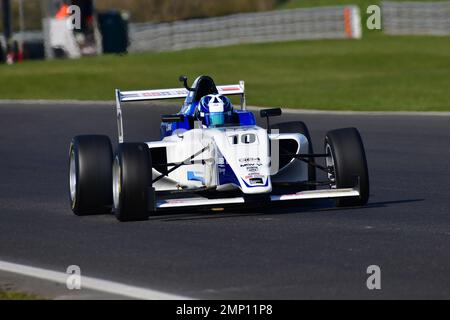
294 24
416 18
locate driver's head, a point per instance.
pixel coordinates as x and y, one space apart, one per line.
214 110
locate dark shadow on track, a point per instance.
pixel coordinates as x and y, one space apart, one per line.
311 206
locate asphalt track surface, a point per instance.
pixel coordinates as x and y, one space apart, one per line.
308 251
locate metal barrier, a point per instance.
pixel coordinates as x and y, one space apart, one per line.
282 25
416 18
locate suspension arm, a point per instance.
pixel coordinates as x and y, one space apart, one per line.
177 165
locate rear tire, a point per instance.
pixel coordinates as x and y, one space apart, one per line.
299 127
132 180
90 171
348 163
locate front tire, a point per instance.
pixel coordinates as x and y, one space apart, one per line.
347 163
132 182
90 170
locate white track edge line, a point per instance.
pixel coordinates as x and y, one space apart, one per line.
95 284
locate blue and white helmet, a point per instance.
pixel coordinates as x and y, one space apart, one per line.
215 110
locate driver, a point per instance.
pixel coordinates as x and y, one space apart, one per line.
214 110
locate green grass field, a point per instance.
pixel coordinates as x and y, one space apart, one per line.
13 295
375 73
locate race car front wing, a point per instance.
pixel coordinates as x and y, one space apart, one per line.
302 195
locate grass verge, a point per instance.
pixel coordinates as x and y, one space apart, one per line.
14 295
377 73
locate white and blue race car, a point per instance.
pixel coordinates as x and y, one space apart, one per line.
213 165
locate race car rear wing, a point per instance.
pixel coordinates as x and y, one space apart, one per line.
166 94
177 93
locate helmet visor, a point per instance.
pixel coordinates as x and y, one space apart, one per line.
215 119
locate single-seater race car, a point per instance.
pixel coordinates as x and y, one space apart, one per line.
212 155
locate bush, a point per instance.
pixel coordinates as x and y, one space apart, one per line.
153 10
170 10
